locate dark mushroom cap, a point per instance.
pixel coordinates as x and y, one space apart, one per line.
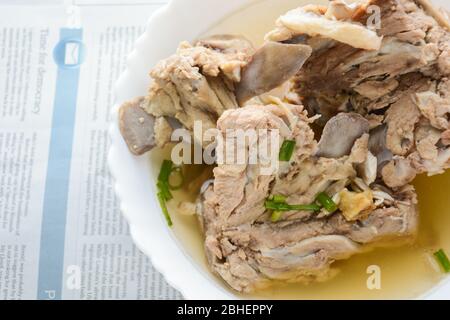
272 65
137 127
340 134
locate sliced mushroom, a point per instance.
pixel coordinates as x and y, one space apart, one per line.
206 185
340 134
137 127
272 65
382 197
377 146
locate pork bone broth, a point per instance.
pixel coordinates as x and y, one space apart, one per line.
406 272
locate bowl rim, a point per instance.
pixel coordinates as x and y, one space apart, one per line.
172 260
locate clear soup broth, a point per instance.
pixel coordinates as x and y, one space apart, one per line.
406 272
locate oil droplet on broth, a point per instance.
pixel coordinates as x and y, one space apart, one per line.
406 272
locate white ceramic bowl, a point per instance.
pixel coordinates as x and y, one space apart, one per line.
135 182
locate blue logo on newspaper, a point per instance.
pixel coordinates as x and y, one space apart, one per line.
69 53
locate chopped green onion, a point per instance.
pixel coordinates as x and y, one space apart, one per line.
166 170
305 207
278 198
164 187
327 202
442 258
164 190
271 205
276 216
277 206
163 204
178 186
287 150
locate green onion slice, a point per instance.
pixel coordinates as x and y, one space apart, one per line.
166 170
442 258
305 207
278 198
163 188
277 206
327 202
163 204
276 216
287 150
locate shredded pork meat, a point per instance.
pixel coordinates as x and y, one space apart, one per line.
402 86
250 252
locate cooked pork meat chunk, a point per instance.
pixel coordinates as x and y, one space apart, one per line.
216 74
333 23
437 14
398 172
250 251
401 88
401 119
227 44
197 83
163 131
342 77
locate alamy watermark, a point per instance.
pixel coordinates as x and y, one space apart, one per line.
233 147
374 20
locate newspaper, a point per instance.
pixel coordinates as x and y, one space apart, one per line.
61 232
